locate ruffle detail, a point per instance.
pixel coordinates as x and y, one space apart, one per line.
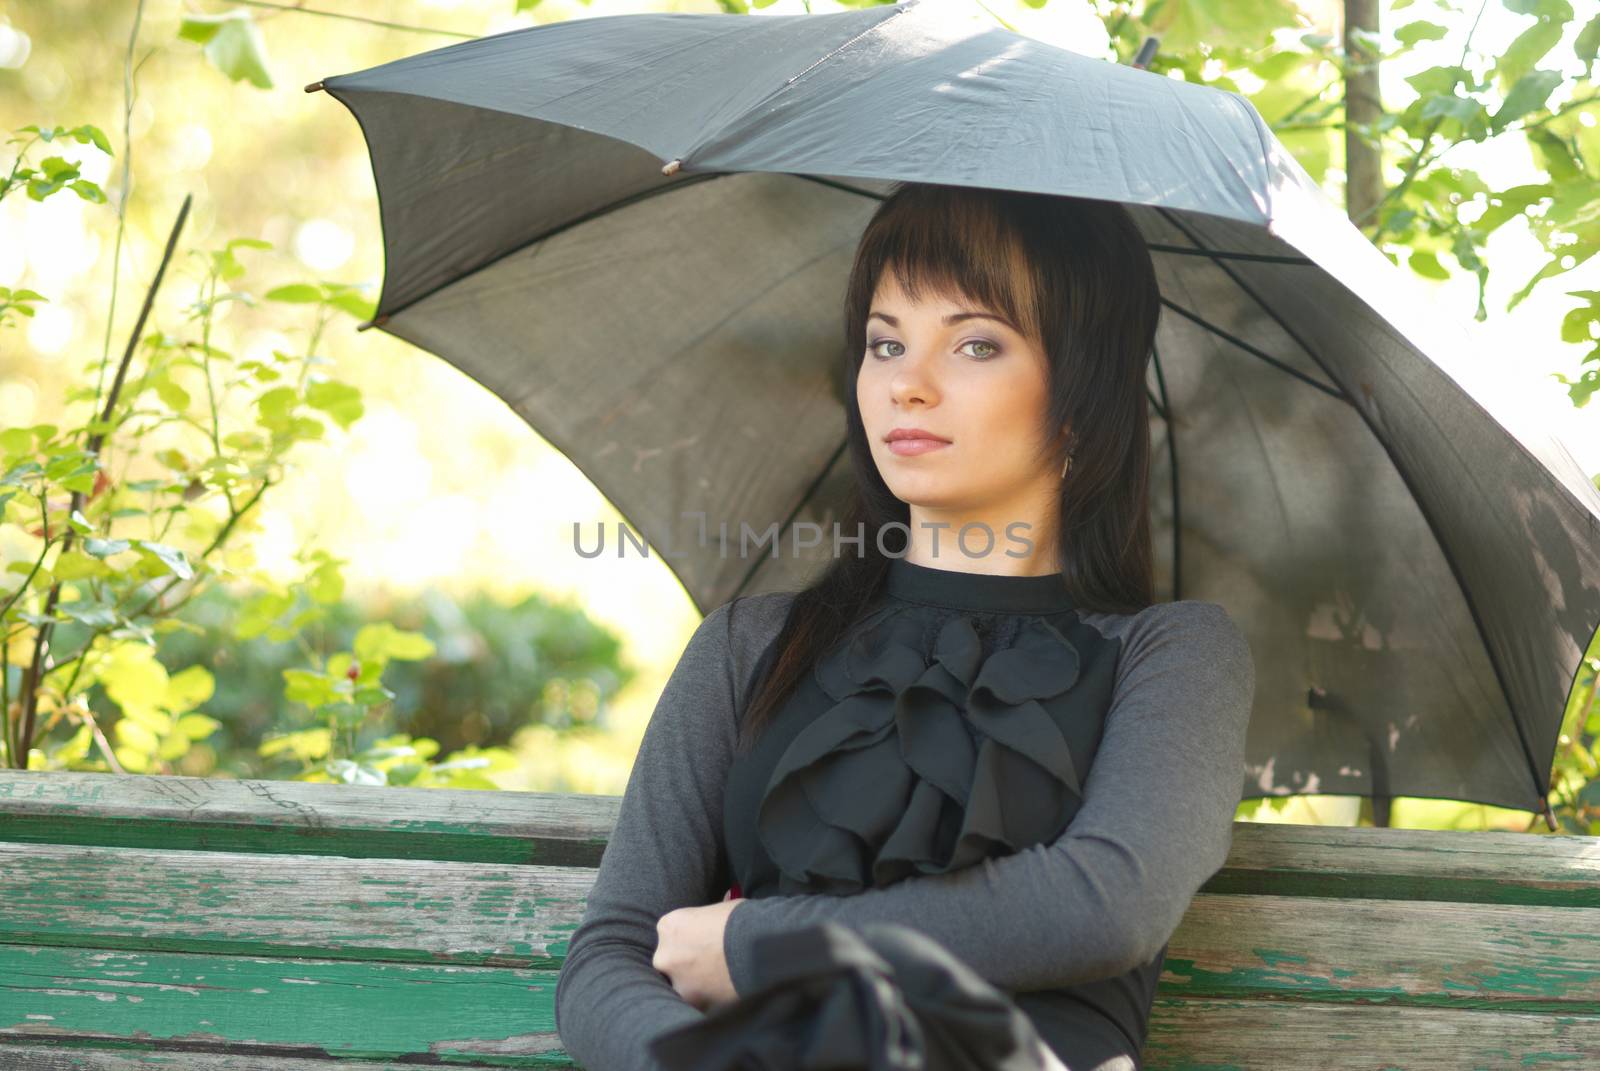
932 757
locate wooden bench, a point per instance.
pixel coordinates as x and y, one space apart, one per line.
292 926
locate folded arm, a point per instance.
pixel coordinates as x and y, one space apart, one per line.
665 851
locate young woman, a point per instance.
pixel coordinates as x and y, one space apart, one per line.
976 722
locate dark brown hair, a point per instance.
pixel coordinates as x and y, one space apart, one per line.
1076 276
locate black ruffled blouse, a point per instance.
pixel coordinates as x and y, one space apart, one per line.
955 721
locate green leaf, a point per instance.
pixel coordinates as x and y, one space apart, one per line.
199 28
135 735
90 134
14 441
1579 323
1587 45
88 191
1529 47
1529 94
188 688
233 44
304 686
137 683
71 565
306 745
171 557
354 304
299 293
176 398
343 715
1464 109
1506 205
1558 156
104 548
1279 65
1427 265
91 614
276 407
326 584
381 641
1184 24
469 779
198 726
258 612
339 400
1412 32
174 747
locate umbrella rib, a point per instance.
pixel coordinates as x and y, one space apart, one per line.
1172 463
1220 254
1539 791
1333 392
798 506
721 132
1155 403
1188 233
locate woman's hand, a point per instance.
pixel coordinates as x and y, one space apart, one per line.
689 953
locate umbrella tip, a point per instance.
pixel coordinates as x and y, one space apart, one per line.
313 87
672 168
1147 52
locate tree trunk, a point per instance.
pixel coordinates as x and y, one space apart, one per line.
1362 107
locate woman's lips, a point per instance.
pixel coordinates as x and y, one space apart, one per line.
908 447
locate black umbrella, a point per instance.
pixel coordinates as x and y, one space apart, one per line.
636 230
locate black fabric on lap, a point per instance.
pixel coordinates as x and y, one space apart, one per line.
831 999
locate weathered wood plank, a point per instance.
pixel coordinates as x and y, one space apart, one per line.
305 1008
270 905
571 830
196 813
1489 867
1266 1035
1388 951
56 1056
517 916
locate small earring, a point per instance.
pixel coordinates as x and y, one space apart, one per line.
1065 465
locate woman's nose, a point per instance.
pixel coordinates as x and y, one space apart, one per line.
913 379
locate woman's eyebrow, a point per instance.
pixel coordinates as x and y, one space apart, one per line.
953 318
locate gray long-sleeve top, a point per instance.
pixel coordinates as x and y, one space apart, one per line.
1101 899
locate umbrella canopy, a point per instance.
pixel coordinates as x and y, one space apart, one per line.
636 230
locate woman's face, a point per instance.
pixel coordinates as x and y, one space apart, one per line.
975 382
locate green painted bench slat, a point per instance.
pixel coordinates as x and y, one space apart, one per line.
304 1007
1313 946
570 830
1425 953
306 818
90 1057
87 1056
491 914
392 910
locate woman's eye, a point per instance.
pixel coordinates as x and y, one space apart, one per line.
989 354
